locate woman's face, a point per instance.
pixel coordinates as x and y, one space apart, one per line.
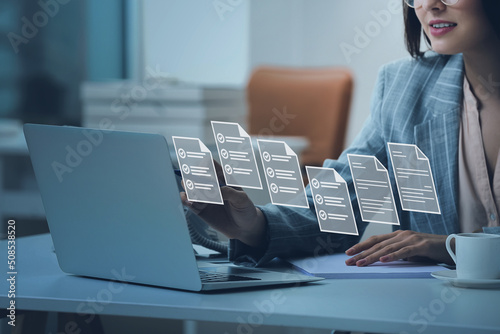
460 28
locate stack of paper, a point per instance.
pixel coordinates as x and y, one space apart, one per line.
333 266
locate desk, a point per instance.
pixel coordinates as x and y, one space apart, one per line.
384 306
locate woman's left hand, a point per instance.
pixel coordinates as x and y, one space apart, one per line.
399 245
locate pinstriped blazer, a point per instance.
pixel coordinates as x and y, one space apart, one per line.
414 102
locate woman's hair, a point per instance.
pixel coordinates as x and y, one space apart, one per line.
413 28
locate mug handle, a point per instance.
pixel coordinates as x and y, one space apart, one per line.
448 247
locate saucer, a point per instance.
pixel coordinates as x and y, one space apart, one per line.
451 276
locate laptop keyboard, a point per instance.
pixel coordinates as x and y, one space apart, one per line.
211 277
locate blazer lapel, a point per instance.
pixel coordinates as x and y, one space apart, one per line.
438 139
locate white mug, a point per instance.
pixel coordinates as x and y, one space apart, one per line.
477 255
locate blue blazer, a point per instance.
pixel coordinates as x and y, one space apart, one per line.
414 102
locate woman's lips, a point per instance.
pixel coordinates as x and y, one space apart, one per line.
440 28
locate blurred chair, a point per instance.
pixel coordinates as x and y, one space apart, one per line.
313 103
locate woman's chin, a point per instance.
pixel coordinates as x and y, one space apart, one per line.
445 50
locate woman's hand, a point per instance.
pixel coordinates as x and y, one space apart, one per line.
238 218
410 245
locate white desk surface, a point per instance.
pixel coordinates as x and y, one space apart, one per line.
374 305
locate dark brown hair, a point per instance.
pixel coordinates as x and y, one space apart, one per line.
413 28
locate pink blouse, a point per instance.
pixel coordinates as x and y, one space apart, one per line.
478 198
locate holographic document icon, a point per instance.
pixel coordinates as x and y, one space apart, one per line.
198 170
236 155
373 189
331 200
413 174
283 176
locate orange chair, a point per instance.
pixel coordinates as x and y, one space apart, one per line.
313 103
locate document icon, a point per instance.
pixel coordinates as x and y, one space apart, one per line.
332 201
198 170
414 178
373 189
283 176
236 155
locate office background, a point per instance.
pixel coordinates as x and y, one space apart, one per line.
195 41
49 48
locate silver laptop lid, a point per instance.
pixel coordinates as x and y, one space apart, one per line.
110 206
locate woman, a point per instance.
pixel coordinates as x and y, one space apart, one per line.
447 102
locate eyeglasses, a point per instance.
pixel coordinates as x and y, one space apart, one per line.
419 3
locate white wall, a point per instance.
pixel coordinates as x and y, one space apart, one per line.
195 41
276 32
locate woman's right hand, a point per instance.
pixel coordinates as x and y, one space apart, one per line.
238 218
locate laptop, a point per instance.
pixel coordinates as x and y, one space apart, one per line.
113 209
